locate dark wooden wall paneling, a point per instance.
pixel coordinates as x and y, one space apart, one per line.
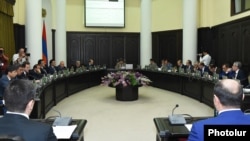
227 42
205 40
19 35
167 44
104 48
232 42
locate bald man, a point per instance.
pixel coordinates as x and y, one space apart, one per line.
228 95
61 67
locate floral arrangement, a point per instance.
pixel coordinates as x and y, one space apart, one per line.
125 78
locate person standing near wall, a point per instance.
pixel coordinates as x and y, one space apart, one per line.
205 58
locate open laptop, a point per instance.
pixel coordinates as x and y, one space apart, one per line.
129 66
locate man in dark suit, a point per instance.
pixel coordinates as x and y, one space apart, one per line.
189 66
180 66
61 67
43 67
11 74
26 69
76 66
90 64
152 65
226 72
52 67
35 73
228 96
239 74
213 69
203 68
19 101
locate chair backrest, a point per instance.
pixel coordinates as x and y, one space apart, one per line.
11 138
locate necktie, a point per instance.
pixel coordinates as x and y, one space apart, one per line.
236 75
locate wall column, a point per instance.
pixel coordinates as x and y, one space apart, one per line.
145 35
33 30
189 30
60 39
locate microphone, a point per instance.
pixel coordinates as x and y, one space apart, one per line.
61 121
176 119
57 112
176 106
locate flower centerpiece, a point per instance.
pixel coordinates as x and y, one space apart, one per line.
125 78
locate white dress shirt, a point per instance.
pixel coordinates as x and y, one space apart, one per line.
16 56
205 59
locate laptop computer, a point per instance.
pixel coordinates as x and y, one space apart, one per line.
129 66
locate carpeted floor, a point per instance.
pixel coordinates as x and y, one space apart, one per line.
112 120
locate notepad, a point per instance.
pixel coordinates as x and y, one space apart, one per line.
64 132
188 126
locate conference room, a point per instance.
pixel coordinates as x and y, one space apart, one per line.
135 30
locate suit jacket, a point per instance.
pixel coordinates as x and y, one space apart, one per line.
35 75
51 70
235 117
4 81
75 67
29 130
206 69
242 77
60 69
24 75
182 67
43 71
153 66
89 66
191 68
229 74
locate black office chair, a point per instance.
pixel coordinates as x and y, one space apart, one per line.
11 138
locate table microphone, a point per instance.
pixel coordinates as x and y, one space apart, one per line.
176 119
176 106
61 121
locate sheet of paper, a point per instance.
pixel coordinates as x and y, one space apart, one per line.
64 132
188 126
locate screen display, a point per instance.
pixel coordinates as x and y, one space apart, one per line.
104 13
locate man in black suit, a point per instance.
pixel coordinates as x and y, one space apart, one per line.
4 82
180 66
203 68
10 75
43 67
19 100
90 64
26 69
52 67
76 66
239 73
61 67
189 66
213 69
35 73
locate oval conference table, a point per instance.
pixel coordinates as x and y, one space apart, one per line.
51 93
